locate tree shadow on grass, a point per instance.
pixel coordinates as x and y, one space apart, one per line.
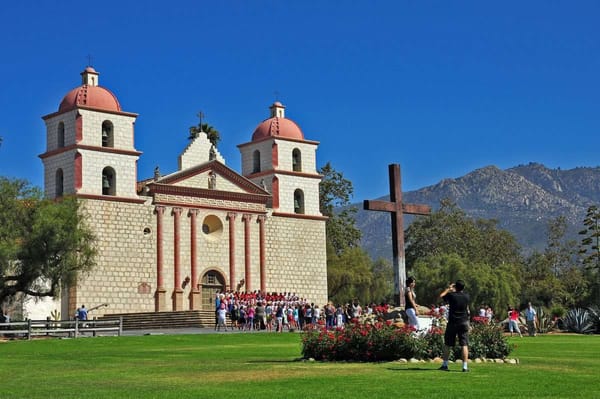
273 361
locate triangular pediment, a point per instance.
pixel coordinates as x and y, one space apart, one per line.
210 179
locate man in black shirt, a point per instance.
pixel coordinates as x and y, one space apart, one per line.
458 322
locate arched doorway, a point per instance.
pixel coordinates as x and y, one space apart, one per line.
212 282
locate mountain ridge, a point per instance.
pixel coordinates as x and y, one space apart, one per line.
523 199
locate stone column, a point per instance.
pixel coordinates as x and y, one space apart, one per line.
160 294
246 218
231 217
194 292
263 271
177 290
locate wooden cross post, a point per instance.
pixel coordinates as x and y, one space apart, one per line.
397 209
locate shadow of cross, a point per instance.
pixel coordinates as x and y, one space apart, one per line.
397 209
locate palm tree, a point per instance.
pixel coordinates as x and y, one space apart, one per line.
211 133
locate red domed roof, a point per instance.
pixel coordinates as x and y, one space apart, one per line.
277 126
90 96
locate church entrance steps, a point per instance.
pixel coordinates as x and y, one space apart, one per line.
157 320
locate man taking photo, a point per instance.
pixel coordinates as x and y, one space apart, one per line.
458 322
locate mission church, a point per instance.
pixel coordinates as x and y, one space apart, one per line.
170 242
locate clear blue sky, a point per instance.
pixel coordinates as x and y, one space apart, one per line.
439 87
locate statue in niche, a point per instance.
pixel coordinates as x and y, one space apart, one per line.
212 153
212 180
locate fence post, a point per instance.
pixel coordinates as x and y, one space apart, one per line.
94 326
29 329
76 327
120 325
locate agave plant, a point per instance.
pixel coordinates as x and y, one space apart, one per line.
594 312
579 321
545 320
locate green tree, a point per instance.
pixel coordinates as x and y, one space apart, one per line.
561 253
450 231
335 192
212 134
554 277
382 284
590 249
349 275
486 285
349 268
43 244
449 245
590 243
539 283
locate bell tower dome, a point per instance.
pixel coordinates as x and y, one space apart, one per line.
90 144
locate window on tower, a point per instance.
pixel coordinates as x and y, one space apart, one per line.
298 201
256 161
107 134
296 160
109 181
59 189
60 135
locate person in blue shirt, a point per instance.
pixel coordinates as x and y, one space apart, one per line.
82 313
531 319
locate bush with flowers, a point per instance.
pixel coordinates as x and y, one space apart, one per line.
360 341
375 341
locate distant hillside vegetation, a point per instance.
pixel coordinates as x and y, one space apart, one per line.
522 199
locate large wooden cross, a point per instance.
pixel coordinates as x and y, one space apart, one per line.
397 209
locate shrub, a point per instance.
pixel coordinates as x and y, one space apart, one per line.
380 341
558 311
359 341
432 344
546 321
594 312
487 341
580 321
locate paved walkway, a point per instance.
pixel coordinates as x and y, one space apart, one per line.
175 331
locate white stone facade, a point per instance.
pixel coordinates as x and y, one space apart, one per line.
144 229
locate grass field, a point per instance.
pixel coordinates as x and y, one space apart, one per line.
266 366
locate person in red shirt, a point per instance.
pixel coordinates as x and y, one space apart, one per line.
513 321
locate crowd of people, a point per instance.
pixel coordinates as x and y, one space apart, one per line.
282 311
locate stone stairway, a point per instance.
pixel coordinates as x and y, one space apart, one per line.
158 320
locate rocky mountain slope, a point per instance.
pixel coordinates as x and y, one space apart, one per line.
522 199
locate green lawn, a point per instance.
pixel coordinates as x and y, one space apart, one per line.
265 366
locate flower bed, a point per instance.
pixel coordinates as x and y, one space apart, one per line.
382 341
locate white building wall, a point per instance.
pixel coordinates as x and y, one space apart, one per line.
310 187
122 129
62 161
247 152
68 118
307 151
197 152
296 258
93 162
126 236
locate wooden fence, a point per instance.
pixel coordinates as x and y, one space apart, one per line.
61 328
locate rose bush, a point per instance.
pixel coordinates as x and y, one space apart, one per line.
374 341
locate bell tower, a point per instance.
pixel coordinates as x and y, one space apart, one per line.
90 145
283 162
